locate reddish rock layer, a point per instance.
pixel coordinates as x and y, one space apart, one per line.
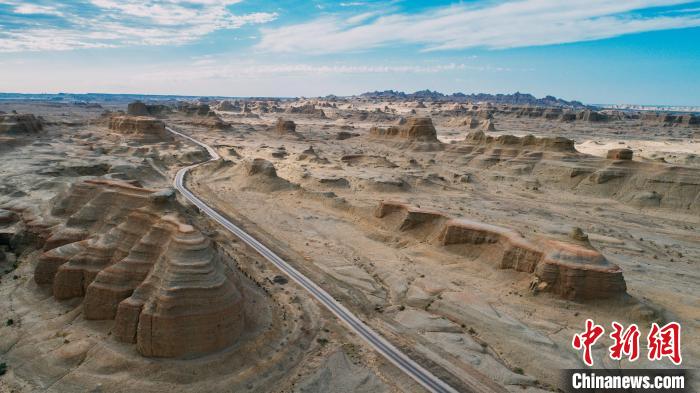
141 127
415 129
620 154
571 270
135 261
285 126
526 142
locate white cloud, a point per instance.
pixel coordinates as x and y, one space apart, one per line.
112 23
494 25
34 9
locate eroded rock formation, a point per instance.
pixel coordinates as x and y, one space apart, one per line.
620 154
19 124
573 270
129 253
526 142
255 174
284 127
415 129
141 127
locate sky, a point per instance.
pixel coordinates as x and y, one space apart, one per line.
596 51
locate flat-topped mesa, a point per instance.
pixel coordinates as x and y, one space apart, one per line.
144 128
139 263
284 127
620 154
512 251
19 124
671 119
573 270
414 129
138 108
577 271
227 106
531 142
591 116
307 109
406 217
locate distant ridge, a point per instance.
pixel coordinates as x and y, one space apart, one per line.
515 98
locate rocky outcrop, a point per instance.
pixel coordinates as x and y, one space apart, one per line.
138 108
19 124
474 123
227 106
257 175
284 127
143 128
573 270
531 142
620 154
670 119
185 306
132 257
591 116
307 109
200 114
415 129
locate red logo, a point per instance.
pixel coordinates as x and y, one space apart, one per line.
662 342
625 342
586 340
665 342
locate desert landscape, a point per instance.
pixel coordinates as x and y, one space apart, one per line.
474 234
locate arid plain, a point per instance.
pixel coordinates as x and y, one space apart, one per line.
475 237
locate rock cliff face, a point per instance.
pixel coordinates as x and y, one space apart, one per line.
307 109
415 129
526 142
138 108
284 127
572 270
129 254
19 124
620 154
143 128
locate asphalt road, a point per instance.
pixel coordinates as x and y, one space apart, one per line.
386 349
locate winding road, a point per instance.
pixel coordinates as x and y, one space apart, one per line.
386 349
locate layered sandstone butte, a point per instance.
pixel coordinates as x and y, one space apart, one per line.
141 127
129 254
620 154
18 124
227 106
284 127
307 109
138 108
530 142
671 119
573 270
414 129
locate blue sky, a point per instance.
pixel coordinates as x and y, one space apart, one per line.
597 51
